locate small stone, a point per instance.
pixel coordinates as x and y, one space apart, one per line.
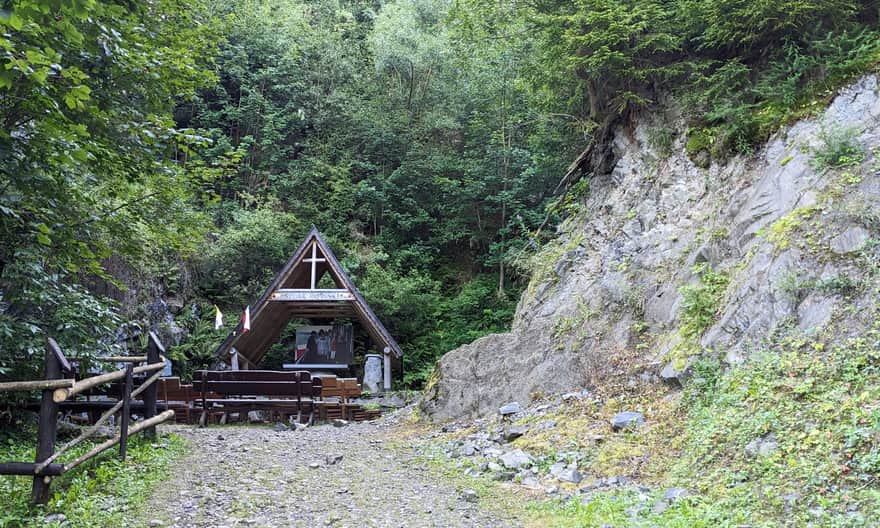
660 507
570 475
557 468
333 459
516 459
674 494
469 495
314 465
468 449
627 419
155 522
339 422
510 408
60 518
531 483
513 432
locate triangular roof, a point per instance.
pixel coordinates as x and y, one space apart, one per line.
294 294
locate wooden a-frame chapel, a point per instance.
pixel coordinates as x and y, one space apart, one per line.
295 294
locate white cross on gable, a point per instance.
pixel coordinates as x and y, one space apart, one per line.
314 260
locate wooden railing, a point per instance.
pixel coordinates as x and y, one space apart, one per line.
59 386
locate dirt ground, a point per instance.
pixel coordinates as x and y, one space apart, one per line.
347 476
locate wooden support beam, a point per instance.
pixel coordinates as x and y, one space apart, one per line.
126 413
155 353
48 427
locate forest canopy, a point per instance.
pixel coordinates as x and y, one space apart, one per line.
181 150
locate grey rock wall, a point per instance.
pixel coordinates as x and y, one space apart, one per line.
605 299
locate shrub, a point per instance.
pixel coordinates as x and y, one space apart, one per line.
840 148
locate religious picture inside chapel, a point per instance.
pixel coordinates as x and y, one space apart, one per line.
317 345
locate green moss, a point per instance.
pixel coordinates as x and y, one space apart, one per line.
781 232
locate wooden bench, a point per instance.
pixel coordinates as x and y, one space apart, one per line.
335 396
240 391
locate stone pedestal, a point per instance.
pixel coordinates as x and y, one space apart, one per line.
373 373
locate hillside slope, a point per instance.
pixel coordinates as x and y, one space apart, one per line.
667 262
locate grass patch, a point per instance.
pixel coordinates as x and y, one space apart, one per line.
102 492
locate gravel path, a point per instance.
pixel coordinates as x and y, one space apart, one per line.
322 476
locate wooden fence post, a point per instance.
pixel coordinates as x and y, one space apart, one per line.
126 412
48 427
154 352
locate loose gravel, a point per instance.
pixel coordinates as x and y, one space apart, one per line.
347 476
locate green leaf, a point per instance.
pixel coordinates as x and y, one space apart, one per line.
43 239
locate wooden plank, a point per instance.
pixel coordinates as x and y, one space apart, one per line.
295 294
256 388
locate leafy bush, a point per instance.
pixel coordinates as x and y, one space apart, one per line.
701 301
840 148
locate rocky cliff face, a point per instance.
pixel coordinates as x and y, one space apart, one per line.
667 260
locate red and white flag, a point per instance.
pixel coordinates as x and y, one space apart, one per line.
246 319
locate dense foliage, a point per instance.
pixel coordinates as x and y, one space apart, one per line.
182 149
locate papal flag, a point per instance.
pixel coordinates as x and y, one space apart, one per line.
218 318
246 319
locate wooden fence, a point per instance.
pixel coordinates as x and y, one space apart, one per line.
59 385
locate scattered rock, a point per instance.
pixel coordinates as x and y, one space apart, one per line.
469 495
510 408
314 465
468 449
531 483
60 518
674 494
513 432
339 422
627 419
516 459
764 446
333 459
670 374
156 522
570 475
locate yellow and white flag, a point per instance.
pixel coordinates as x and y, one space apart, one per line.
218 318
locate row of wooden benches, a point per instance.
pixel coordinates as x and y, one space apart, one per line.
214 395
